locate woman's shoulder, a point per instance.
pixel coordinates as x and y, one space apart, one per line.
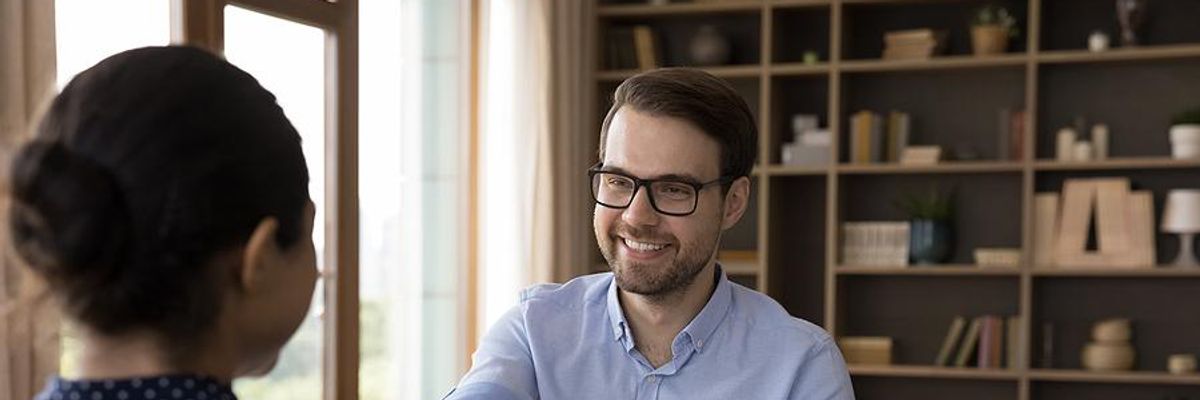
160 387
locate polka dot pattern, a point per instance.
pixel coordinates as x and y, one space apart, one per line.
180 387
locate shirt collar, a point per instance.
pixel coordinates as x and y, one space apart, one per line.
616 316
701 327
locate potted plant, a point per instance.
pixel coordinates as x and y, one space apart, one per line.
931 226
1185 134
991 27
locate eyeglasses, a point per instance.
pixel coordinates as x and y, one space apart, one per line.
673 197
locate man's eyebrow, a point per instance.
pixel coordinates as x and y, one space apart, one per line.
672 177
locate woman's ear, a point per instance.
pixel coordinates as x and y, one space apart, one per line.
736 202
260 253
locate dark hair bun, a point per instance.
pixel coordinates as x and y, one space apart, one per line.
68 218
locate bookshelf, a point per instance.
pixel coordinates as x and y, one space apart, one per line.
797 211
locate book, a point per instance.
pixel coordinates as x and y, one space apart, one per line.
1012 342
1017 135
911 35
738 262
866 350
913 44
970 341
995 344
1141 217
1045 228
897 137
877 139
953 336
647 53
987 336
860 137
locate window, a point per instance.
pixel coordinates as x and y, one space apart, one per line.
412 174
288 59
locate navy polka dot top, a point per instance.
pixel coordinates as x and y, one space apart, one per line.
167 387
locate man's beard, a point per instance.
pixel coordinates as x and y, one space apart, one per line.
657 281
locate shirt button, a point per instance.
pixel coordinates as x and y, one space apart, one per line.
700 343
650 379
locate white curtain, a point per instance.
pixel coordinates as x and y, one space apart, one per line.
514 97
534 145
29 339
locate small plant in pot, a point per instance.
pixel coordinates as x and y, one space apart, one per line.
1185 134
931 227
991 28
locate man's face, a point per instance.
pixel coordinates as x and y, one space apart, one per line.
651 253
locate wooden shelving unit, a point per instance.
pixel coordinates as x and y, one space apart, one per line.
920 371
1155 272
1141 378
796 213
940 270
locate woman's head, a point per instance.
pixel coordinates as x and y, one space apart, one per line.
165 192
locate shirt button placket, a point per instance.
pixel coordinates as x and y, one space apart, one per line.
649 387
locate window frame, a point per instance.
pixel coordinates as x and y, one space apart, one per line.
201 23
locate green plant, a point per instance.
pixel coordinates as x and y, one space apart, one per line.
931 206
996 15
1188 117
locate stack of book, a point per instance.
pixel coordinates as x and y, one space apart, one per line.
875 244
988 341
633 47
875 139
866 350
913 44
738 262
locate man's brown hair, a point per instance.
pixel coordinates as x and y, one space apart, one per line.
699 98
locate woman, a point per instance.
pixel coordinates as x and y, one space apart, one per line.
164 202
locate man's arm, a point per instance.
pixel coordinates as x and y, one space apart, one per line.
823 376
502 367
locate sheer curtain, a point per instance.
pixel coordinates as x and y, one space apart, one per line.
29 344
533 142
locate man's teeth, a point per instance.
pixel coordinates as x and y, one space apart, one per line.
640 246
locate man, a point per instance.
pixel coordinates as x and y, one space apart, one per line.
676 150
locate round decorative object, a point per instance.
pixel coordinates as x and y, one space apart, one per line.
1108 356
1185 141
1098 41
1117 330
1181 364
709 47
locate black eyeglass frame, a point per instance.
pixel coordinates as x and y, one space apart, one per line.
638 183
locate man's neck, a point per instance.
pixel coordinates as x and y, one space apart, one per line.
656 320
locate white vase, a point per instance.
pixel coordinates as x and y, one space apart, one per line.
1185 141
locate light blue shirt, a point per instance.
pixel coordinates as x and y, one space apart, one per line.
571 341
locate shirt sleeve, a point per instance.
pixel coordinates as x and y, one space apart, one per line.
823 376
502 367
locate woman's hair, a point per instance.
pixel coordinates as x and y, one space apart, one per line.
144 168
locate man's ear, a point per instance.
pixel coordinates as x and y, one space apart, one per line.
736 202
260 252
